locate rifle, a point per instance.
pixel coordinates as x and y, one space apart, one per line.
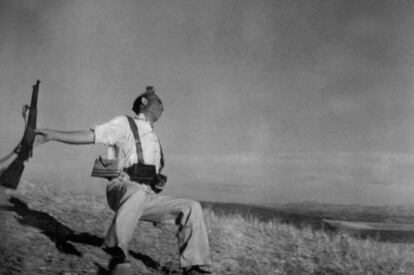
10 177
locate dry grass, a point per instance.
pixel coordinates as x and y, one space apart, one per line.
239 245
243 246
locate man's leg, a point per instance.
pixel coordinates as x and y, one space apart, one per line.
127 199
192 234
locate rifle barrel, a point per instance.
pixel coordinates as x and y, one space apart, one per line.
31 120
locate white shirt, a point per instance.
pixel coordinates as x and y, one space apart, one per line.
117 134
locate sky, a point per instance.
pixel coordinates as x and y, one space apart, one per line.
268 101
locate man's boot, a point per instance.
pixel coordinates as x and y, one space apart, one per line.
119 266
121 269
196 270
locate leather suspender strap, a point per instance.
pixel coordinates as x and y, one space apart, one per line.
142 173
162 161
138 145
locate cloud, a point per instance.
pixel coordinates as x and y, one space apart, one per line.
378 182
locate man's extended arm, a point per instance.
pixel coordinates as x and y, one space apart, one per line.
69 137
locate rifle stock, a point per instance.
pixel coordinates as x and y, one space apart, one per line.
10 177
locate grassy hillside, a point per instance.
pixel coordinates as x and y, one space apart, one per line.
47 231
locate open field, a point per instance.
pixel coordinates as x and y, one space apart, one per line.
52 232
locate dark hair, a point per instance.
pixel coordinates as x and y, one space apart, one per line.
136 107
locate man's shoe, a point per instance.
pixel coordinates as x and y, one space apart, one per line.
121 269
196 270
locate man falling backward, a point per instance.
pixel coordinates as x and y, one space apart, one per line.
139 200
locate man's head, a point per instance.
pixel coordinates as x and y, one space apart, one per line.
149 104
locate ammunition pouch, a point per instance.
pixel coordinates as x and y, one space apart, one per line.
145 174
105 168
141 173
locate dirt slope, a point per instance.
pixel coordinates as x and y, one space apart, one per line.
47 230
44 232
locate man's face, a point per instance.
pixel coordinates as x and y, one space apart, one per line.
154 107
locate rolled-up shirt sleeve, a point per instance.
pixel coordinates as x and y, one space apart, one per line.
111 132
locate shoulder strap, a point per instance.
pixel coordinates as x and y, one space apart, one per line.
162 161
138 145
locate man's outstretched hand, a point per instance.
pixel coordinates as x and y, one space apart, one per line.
42 136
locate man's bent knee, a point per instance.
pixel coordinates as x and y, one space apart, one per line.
190 211
196 208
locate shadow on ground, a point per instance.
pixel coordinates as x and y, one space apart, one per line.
63 236
57 232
